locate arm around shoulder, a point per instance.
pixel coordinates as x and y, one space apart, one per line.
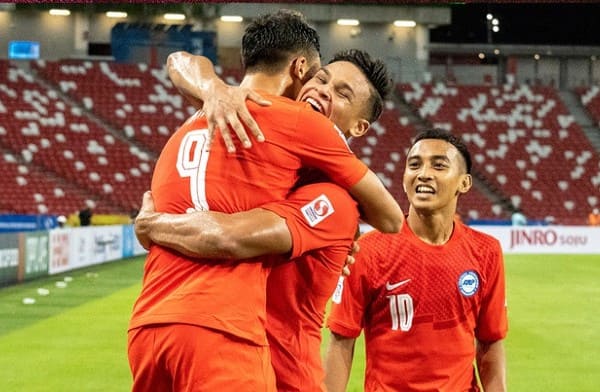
192 75
217 235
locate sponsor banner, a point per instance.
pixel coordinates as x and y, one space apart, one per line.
108 243
83 246
9 258
540 239
35 255
546 239
131 246
59 242
19 223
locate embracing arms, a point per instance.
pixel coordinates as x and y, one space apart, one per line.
225 109
214 234
225 106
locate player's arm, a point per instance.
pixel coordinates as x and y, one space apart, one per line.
322 147
213 234
338 362
378 207
491 364
224 105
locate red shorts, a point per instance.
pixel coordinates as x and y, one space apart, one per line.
186 358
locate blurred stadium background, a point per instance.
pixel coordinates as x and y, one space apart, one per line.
86 105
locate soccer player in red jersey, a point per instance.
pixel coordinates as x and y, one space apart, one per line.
198 324
430 299
317 221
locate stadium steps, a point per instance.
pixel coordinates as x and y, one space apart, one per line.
573 103
593 134
411 113
582 117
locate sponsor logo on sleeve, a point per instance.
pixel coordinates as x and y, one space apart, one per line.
337 294
317 210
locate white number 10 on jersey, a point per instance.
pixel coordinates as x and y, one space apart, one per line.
401 311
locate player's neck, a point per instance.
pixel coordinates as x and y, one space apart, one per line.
271 84
433 228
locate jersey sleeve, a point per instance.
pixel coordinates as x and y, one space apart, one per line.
318 215
492 323
321 145
351 298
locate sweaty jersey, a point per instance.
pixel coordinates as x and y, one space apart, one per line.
323 220
190 175
421 307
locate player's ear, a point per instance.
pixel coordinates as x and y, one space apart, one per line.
300 67
360 128
466 182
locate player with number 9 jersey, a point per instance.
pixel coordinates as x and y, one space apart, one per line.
192 175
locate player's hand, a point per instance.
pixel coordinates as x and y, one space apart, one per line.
142 222
350 259
226 110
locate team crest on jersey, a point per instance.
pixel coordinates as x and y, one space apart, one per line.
317 210
468 283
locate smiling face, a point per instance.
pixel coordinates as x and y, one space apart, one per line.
341 92
435 175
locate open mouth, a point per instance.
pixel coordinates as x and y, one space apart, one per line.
425 189
315 105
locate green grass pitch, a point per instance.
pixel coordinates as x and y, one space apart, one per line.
74 339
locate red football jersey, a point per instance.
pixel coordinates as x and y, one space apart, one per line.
422 306
191 175
323 220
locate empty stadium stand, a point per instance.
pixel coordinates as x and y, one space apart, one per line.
524 141
137 100
77 132
52 136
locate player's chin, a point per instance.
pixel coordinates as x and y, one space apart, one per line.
423 203
422 198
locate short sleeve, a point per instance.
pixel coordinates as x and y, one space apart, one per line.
492 323
318 215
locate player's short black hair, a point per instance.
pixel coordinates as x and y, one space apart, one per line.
270 40
457 142
376 73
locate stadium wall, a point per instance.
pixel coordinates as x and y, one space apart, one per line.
465 74
29 255
56 35
404 49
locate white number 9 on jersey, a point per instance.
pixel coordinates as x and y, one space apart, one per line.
192 159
